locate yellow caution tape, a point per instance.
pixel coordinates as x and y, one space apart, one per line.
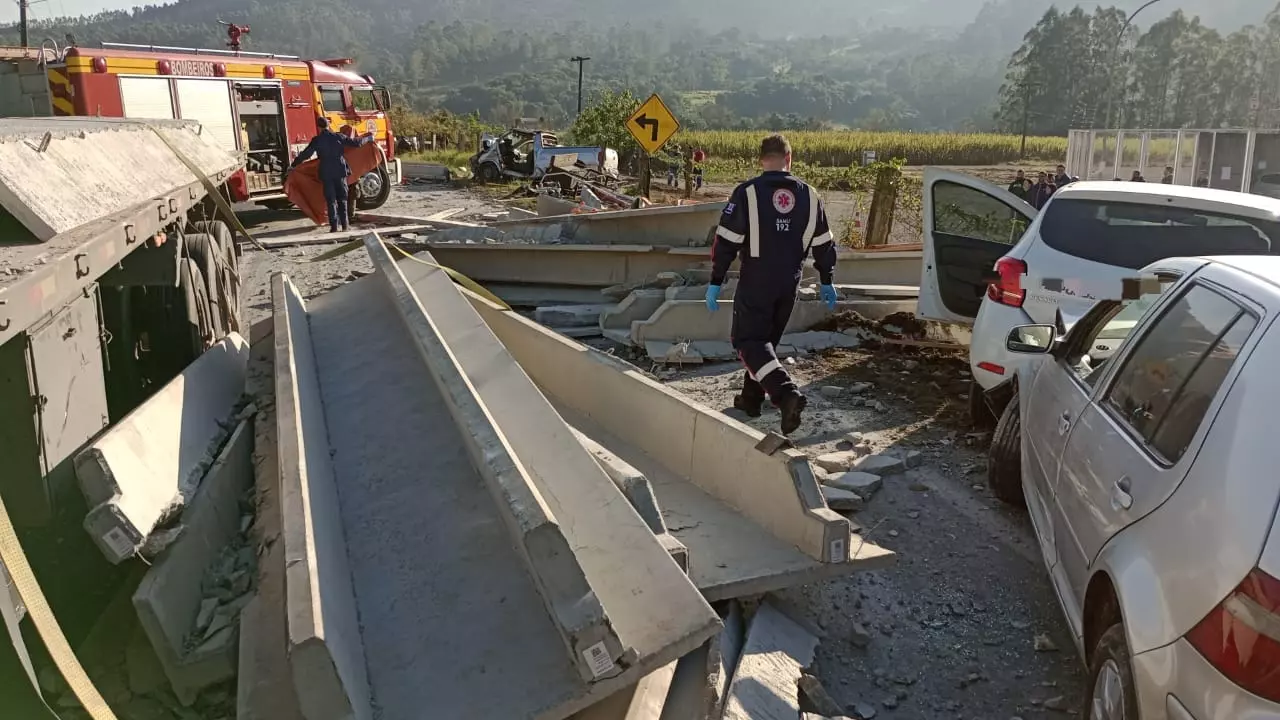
46 624
456 276
223 206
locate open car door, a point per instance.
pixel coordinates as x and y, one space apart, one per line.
969 224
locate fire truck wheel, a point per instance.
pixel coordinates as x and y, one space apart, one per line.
375 188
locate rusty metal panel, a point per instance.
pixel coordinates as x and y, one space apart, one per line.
65 361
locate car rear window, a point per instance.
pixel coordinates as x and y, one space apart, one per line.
1134 235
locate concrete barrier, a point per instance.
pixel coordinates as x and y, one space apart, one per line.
326 651
705 449
651 605
151 462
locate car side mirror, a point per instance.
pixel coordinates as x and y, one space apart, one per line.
1031 339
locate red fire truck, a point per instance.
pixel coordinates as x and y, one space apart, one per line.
260 104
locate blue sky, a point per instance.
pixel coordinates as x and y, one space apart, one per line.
52 8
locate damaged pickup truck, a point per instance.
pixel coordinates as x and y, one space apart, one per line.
531 154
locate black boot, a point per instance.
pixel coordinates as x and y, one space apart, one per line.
748 405
792 408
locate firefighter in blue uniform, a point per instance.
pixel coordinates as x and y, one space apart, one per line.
330 147
773 222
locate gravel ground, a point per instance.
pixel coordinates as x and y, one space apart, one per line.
965 624
950 631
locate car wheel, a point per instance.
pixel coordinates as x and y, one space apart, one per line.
980 415
1004 458
488 174
1112 695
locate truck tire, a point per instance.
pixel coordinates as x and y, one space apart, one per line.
1004 458
226 289
375 188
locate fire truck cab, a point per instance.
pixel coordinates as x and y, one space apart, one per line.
261 105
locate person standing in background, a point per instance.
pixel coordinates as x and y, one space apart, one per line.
1020 185
1061 178
1041 191
1168 176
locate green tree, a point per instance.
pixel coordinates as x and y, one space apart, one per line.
604 123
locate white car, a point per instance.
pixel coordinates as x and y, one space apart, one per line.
993 262
1149 471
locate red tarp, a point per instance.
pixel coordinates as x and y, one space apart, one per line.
304 188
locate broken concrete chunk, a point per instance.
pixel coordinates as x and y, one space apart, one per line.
831 392
840 499
570 315
817 695
912 459
879 465
863 484
836 462
207 607
766 684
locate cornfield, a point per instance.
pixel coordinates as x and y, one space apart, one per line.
843 148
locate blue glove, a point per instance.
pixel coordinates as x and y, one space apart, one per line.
828 295
713 297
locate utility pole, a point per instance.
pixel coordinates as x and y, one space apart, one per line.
1115 49
580 60
1026 115
22 21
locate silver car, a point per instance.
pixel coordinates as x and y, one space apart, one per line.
1146 441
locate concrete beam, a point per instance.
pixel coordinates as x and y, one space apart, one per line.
639 493
705 462
689 320
326 651
169 597
604 265
655 611
671 226
52 170
642 701
151 462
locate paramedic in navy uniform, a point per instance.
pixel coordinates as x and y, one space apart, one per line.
772 222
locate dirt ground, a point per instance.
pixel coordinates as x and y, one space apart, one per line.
965 624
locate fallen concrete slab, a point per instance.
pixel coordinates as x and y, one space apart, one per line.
171 594
602 265
674 226
689 320
642 701
752 522
439 569
151 462
765 684
571 316
650 604
639 493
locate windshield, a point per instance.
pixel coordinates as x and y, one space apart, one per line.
1134 235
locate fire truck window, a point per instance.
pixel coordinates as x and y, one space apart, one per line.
363 100
332 101
384 99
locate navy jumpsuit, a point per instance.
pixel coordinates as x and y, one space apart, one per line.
330 147
773 221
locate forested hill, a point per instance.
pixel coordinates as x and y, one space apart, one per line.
910 64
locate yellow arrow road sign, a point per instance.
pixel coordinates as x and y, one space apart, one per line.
653 124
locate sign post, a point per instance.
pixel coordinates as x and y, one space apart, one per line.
652 125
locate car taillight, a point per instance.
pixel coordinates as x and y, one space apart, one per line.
1007 289
1241 636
